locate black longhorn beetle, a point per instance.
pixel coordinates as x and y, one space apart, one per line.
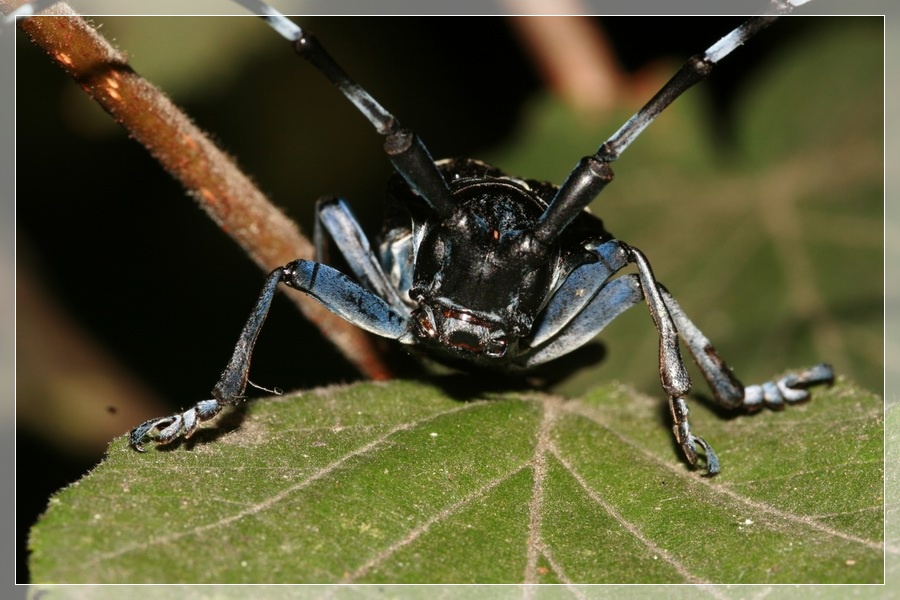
475 266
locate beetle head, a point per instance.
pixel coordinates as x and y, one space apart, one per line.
480 276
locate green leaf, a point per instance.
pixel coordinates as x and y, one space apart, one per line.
773 246
404 483
892 493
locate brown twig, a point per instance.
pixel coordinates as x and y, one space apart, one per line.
210 176
576 60
573 57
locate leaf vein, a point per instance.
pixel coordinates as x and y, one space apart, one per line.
417 532
627 525
271 501
803 520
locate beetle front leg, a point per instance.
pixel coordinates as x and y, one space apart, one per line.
581 308
337 292
672 372
228 390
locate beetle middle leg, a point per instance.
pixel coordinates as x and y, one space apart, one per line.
727 390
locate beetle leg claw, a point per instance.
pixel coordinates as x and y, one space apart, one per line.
689 447
167 429
688 441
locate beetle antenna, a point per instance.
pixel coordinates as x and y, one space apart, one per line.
404 148
593 173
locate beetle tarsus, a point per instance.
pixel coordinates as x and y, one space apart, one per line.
790 389
165 430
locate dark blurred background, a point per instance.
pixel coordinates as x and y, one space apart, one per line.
129 300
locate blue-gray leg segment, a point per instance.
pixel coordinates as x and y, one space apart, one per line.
335 217
587 301
681 427
790 389
727 390
672 373
566 309
347 299
169 428
336 291
613 299
228 390
582 307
